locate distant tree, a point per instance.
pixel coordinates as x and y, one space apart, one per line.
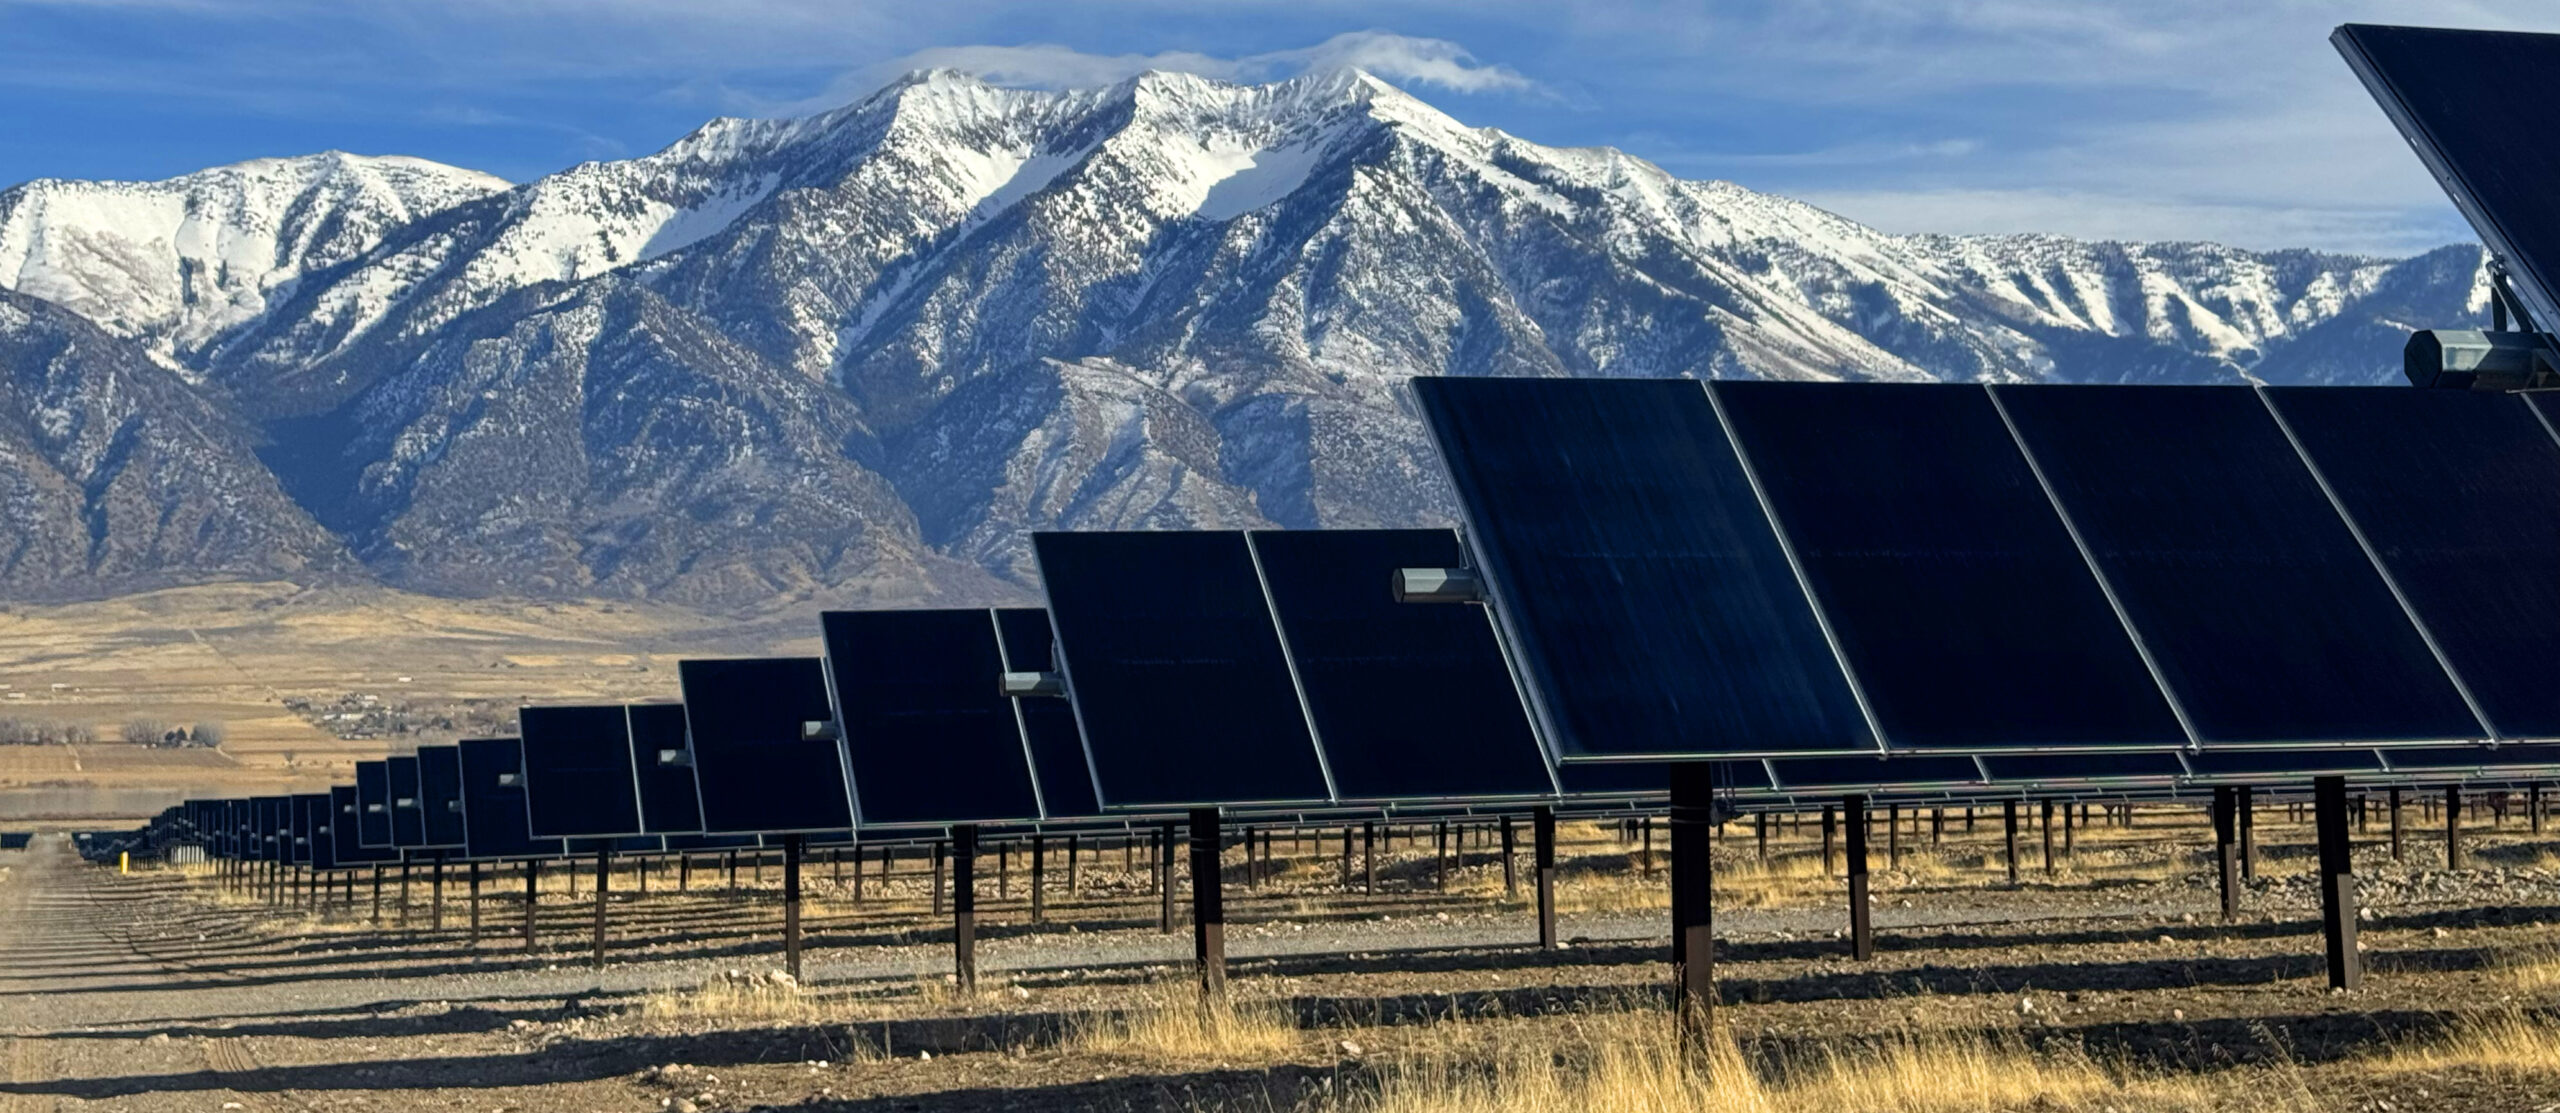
209 732
146 732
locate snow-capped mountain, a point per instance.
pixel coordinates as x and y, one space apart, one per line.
177 264
868 350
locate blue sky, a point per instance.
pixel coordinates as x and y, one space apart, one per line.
2230 120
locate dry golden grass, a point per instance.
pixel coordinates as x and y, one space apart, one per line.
767 997
2507 1041
2534 969
1625 1063
1173 1021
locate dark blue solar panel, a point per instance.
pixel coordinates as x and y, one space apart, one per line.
1175 670
669 802
343 844
408 818
272 827
1409 701
2474 104
927 727
373 801
440 795
493 803
1048 724
1966 613
2267 620
753 762
2459 495
303 811
2017 768
578 778
1642 590
1810 774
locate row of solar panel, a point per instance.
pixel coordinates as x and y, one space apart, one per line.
321 830
1743 569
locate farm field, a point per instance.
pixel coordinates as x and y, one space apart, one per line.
304 682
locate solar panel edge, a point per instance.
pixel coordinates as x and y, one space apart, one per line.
1519 653
1795 564
1546 758
1022 725
1289 663
835 707
1013 707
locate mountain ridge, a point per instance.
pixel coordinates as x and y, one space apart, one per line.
868 350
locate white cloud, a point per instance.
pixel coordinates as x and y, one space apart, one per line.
2095 215
1404 58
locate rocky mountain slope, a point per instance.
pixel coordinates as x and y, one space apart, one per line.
867 351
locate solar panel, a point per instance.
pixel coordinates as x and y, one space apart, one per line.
2474 105
408 819
1048 725
373 801
669 801
2268 622
343 845
493 804
272 827
1408 701
2459 496
928 730
300 818
1967 615
1598 507
440 796
754 763
577 771
1175 670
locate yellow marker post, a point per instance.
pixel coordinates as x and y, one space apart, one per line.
124 861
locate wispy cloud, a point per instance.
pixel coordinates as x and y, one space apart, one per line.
1409 59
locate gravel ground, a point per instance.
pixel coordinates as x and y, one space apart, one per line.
148 992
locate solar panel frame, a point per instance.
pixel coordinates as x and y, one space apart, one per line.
1047 723
578 760
1405 701
1868 775
662 767
1665 515
929 735
754 770
1158 629
2229 561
